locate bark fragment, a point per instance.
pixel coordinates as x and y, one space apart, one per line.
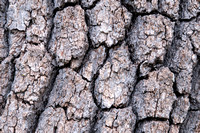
192 123
54 120
180 110
153 97
116 120
72 92
165 7
3 44
6 71
69 39
108 21
149 40
190 8
142 6
116 79
71 107
91 66
153 127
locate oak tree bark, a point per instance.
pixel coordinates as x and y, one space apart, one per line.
110 66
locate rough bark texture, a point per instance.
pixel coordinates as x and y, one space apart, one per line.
105 66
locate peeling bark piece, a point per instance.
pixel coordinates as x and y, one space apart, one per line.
153 127
3 45
116 121
183 55
190 8
181 62
192 123
69 38
72 92
167 7
170 7
174 129
108 21
94 61
18 116
54 120
38 30
192 31
32 16
184 82
115 83
88 3
6 70
16 42
142 6
2 6
149 39
153 97
33 74
18 14
180 110
61 3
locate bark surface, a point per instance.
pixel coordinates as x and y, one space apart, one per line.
99 66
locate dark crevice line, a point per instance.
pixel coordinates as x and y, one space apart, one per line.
127 6
181 4
53 76
90 7
182 125
154 12
65 5
11 73
45 98
175 89
131 98
92 87
171 50
170 114
6 40
55 72
89 45
113 107
94 78
148 119
55 129
193 110
94 121
191 19
49 37
194 104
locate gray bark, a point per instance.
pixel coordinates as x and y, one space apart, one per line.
105 66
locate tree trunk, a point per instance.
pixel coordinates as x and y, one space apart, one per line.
70 66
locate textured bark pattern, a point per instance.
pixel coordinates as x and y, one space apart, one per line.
104 66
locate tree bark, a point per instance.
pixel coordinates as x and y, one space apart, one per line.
114 66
